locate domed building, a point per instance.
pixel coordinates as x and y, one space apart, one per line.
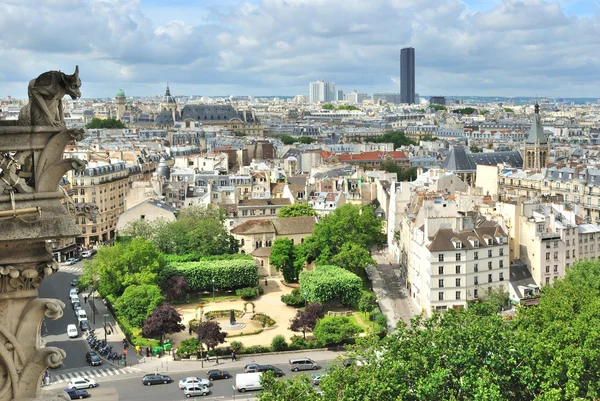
169 111
163 170
120 101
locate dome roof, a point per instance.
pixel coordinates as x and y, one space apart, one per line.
168 99
120 93
162 169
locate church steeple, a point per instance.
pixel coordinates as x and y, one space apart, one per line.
168 92
536 145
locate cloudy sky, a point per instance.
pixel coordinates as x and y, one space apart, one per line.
275 47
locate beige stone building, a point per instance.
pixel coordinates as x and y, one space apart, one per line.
106 185
150 210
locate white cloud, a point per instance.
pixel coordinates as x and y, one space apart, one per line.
517 47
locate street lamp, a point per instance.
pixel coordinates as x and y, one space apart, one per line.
305 299
213 281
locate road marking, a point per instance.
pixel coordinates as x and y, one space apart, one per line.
110 372
89 373
70 376
103 373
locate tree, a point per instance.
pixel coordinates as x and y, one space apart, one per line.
287 140
395 137
108 123
282 257
138 302
367 302
297 210
330 284
437 107
307 140
298 388
163 320
353 257
306 320
209 333
349 107
348 223
176 288
328 106
333 330
116 267
475 149
508 110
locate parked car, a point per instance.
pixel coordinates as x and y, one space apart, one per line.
251 368
81 315
93 359
297 364
86 254
217 375
82 383
75 394
71 261
76 305
76 309
84 326
276 371
74 298
193 380
72 331
73 292
150 379
74 281
353 361
194 390
316 379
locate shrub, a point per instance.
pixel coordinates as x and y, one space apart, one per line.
381 320
245 334
222 313
138 302
367 302
247 293
327 284
227 256
279 344
297 342
188 347
260 290
257 349
236 346
294 299
263 319
227 274
333 330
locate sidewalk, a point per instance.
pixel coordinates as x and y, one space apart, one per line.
391 291
167 364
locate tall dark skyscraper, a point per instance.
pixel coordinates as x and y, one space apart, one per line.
407 75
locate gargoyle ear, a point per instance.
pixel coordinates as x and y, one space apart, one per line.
76 73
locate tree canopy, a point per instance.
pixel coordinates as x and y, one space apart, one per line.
396 137
306 320
138 302
107 123
282 257
437 107
298 209
209 333
163 320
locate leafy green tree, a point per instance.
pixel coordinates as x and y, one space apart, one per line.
367 302
298 388
297 210
287 140
348 107
282 257
328 106
109 123
483 112
396 137
116 267
306 320
279 344
508 110
437 107
330 284
306 140
137 303
333 330
353 257
465 110
475 149
348 223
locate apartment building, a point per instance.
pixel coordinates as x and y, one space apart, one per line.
454 258
106 184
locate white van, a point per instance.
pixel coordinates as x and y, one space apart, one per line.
72 331
81 315
247 381
74 298
73 292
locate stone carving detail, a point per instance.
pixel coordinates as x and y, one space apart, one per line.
31 169
88 210
46 92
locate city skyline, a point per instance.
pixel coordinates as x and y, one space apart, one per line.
270 48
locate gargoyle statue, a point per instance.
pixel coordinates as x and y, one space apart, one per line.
46 92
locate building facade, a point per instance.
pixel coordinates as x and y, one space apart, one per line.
407 75
321 92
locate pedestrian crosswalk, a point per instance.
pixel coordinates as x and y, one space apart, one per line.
93 374
71 269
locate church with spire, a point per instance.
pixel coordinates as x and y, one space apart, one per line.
535 154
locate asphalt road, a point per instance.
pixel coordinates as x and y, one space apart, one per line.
130 388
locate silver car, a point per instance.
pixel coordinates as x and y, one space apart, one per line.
194 390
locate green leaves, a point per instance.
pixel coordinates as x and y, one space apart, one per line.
227 274
282 257
138 302
328 284
110 123
333 330
296 210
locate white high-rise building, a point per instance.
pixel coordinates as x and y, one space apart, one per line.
321 92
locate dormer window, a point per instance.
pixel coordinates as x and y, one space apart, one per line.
457 243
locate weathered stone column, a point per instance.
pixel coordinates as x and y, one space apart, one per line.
31 214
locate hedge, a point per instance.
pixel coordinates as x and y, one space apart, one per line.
227 274
194 257
263 319
328 284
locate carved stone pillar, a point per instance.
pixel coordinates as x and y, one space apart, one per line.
31 214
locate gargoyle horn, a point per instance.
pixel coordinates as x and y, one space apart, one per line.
76 73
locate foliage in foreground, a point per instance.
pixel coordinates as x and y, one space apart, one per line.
550 352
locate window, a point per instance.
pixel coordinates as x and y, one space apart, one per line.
501 250
501 277
475 293
501 264
476 280
440 270
215 196
242 242
556 244
555 255
458 256
441 283
573 252
555 268
441 257
548 269
457 295
489 253
568 243
440 296
457 282
490 265
476 255
458 269
547 280
489 278
555 277
547 255
476 268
